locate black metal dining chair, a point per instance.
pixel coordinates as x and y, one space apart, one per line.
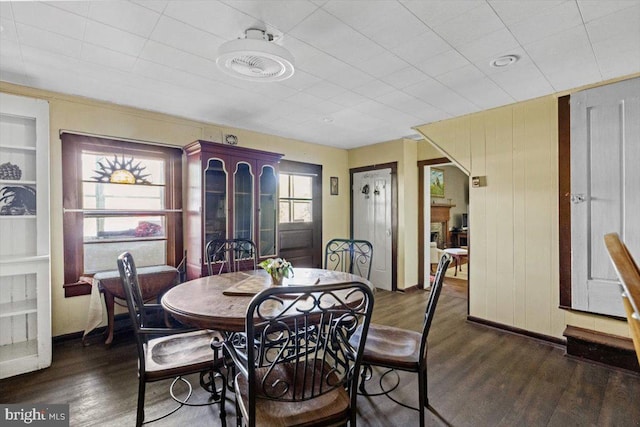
401 349
298 363
170 353
224 256
350 256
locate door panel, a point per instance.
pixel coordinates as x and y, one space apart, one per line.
372 221
605 189
301 242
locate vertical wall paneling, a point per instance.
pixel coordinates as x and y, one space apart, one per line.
503 183
477 220
513 259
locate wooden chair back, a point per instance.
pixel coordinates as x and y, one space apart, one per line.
350 256
135 302
629 276
298 343
224 256
436 288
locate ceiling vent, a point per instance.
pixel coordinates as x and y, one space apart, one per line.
256 58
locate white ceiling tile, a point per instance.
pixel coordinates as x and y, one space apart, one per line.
373 89
326 32
48 58
48 18
548 23
618 56
6 11
426 89
106 57
489 46
185 37
355 49
511 82
381 65
353 119
113 38
349 99
461 76
56 43
456 105
157 5
511 11
435 12
212 16
324 89
329 68
476 23
443 63
353 14
572 78
301 80
162 73
404 77
304 100
387 23
300 50
78 7
564 52
124 15
8 31
622 25
281 14
593 9
420 48
484 93
175 58
11 65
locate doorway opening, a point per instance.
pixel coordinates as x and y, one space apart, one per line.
443 201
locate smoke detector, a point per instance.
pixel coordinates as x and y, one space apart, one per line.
256 58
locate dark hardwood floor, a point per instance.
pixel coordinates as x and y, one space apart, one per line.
478 376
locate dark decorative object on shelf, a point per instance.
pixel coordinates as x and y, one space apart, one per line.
121 171
10 172
19 200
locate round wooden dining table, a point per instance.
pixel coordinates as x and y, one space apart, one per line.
220 301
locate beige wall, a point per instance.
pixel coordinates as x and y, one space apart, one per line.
405 153
84 115
514 218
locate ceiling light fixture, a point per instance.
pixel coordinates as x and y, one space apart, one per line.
256 58
504 61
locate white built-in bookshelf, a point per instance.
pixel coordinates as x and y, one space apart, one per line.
25 301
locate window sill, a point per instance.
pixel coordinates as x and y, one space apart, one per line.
76 289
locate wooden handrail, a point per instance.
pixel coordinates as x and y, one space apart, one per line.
629 275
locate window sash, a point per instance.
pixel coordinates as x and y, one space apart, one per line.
75 214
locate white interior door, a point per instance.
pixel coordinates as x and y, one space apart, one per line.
605 189
372 220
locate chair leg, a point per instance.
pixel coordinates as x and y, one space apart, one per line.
422 395
140 413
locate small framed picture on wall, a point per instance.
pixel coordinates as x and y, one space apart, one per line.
334 185
437 182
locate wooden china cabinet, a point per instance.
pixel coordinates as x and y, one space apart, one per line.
231 193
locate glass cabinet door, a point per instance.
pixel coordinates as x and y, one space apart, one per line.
243 202
268 217
215 203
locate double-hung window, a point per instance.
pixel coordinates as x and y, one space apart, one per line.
119 196
296 201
